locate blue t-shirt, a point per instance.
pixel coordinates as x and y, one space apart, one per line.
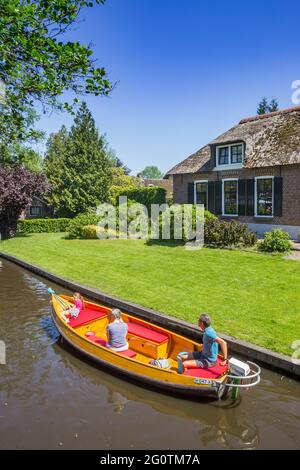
117 334
210 347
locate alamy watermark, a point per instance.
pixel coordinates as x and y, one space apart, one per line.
296 94
133 220
2 353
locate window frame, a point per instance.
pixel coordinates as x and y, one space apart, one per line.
195 191
230 165
223 197
35 207
256 199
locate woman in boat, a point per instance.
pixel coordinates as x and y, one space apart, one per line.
74 311
116 332
208 356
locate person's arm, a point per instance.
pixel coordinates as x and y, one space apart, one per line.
223 346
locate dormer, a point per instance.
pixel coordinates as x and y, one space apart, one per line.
229 156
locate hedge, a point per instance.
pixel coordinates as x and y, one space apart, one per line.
43 225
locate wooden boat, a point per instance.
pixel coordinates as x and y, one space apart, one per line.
87 334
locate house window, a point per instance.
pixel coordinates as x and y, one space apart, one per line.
223 156
236 154
230 197
230 155
201 193
35 211
264 197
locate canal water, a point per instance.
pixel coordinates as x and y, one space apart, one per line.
51 398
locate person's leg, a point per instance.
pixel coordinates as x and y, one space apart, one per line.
63 314
195 361
181 357
74 312
193 364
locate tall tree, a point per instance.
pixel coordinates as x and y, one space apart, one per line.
84 176
151 172
37 66
54 166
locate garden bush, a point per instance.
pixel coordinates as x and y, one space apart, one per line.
276 241
76 226
43 225
225 234
92 232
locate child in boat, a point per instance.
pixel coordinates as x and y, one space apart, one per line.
208 356
74 311
116 332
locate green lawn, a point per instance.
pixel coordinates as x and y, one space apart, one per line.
251 296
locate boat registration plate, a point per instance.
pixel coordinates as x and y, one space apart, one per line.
199 381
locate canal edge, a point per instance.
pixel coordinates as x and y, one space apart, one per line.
270 359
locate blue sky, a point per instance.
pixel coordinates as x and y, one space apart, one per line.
185 71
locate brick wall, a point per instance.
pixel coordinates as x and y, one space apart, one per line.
291 190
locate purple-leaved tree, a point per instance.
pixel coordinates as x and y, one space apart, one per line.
17 187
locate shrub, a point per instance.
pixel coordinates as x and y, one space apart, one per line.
89 232
92 232
179 210
221 233
276 241
76 226
43 225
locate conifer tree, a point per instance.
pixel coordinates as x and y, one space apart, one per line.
78 166
263 106
273 106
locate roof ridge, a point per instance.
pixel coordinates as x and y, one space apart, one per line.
267 115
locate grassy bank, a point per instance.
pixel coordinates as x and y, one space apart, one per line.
250 296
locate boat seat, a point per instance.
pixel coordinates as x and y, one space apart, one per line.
86 315
146 333
93 337
211 373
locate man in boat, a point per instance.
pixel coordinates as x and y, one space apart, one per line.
208 356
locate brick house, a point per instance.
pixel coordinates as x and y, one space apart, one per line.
251 173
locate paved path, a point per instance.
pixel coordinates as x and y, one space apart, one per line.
295 255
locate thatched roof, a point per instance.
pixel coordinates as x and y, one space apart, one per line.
271 139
